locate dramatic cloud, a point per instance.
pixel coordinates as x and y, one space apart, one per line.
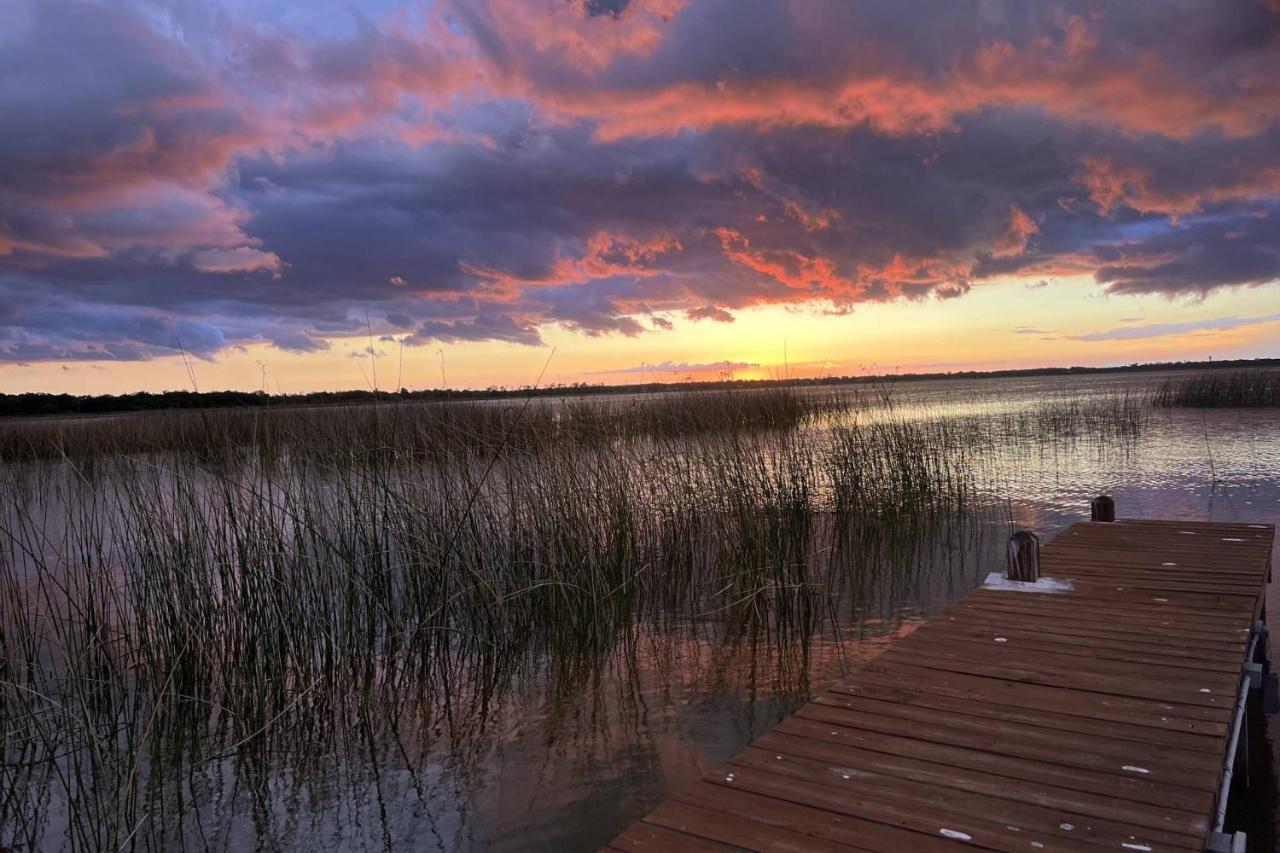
1196 256
181 176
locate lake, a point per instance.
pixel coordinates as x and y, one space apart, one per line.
529 647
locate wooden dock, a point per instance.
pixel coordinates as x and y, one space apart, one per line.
1107 716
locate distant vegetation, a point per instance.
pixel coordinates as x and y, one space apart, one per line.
408 430
1236 388
35 404
437 430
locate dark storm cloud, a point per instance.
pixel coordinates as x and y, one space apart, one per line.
188 178
298 342
485 326
36 327
1197 256
613 8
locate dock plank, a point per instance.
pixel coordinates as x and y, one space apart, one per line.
1164 785
1070 749
1013 721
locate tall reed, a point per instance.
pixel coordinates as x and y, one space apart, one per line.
1215 389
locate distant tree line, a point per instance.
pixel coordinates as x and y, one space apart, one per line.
35 403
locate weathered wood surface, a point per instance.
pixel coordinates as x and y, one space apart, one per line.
1015 721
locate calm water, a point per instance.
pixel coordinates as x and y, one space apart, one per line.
564 759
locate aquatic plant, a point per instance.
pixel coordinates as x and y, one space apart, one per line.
1221 388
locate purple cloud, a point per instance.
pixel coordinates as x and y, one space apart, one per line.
1159 330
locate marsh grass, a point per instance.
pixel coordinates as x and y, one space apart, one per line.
412 428
1218 389
206 608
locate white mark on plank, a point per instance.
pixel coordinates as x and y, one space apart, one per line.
1127 846
1068 827
955 834
1002 639
1231 539
1205 690
1134 769
1168 564
1159 599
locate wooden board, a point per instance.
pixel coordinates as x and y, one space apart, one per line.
1012 720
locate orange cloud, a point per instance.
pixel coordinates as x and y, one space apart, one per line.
1070 77
605 255
1013 240
1111 184
565 33
790 268
812 217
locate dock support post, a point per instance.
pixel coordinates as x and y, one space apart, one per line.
1223 842
1024 557
1102 508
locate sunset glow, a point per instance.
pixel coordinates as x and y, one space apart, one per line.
298 197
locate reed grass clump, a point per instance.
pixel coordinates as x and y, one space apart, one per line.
413 428
1219 389
1107 418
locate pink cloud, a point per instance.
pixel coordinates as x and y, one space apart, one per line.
1013 240
790 268
1110 184
604 255
562 60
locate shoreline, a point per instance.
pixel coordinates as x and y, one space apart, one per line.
40 405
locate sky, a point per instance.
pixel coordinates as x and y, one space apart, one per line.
321 195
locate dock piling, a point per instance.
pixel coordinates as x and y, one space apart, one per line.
1102 508
1024 557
